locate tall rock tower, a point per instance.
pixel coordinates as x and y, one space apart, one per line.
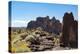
70 28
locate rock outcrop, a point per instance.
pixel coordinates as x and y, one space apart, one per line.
70 30
49 25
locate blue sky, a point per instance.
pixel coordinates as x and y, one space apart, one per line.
23 12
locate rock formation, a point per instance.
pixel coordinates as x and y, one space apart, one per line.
49 25
70 30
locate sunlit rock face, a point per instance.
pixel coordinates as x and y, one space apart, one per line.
47 24
70 30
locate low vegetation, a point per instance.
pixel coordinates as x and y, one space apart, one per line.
27 40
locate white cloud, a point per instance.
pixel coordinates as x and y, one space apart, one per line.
19 23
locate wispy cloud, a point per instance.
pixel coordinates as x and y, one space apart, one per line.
19 23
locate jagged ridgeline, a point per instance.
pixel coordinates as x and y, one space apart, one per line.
50 25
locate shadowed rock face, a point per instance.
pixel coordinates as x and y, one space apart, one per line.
49 25
70 30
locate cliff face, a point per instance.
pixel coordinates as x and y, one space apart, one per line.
49 25
70 30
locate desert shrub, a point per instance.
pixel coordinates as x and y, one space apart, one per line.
20 46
